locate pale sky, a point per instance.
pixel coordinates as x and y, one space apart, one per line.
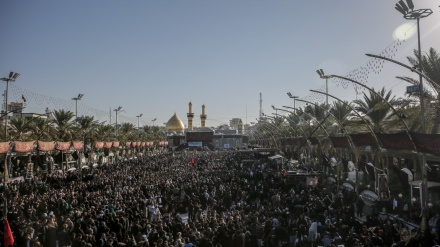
154 57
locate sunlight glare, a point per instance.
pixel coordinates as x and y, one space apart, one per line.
404 31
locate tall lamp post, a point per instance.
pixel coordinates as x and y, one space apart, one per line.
79 97
409 13
154 120
140 115
326 77
294 101
116 125
11 78
276 110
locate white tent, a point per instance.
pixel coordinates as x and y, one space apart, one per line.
276 156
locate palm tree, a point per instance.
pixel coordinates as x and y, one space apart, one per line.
63 120
376 111
85 130
431 68
104 133
126 132
19 129
42 129
153 133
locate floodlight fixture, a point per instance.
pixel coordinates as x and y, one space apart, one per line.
140 115
76 105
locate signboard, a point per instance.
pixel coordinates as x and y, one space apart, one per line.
195 144
413 89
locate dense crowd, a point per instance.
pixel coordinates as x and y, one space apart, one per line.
184 199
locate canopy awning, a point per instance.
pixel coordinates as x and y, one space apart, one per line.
276 156
418 182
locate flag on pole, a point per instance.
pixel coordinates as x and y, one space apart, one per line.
9 239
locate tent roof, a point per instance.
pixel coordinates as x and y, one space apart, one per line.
276 156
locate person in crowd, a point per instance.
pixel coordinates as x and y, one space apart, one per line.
161 200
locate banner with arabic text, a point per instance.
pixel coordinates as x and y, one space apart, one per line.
46 146
63 146
4 147
24 147
99 144
77 145
363 139
340 141
396 141
427 143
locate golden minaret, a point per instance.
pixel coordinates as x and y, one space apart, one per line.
203 116
190 116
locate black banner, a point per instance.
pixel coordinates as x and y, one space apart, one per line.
340 141
199 136
396 141
314 140
427 143
363 139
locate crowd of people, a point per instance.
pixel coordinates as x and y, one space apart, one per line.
184 199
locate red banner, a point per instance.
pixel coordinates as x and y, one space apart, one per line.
99 144
63 146
127 144
77 145
115 144
46 146
108 144
4 147
24 147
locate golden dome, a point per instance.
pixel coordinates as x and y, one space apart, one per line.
175 124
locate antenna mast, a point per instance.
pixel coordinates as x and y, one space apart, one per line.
261 106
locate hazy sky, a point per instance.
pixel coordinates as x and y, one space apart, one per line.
155 56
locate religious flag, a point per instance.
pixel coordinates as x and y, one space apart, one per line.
9 239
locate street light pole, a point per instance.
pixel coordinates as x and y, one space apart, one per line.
276 110
408 12
11 78
76 106
116 125
326 77
294 100
140 115
154 120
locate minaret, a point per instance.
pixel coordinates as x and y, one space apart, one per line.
190 116
203 116
240 127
